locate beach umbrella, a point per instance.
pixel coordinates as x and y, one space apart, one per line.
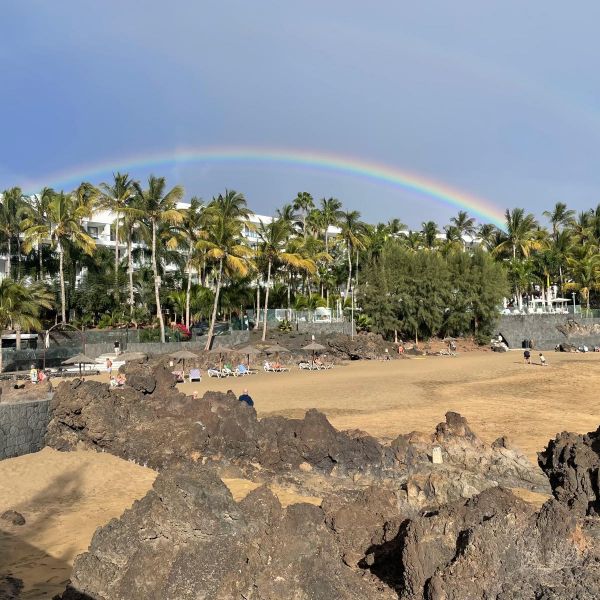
249 351
220 350
315 348
129 356
276 349
183 355
79 359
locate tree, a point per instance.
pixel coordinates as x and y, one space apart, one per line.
429 231
222 241
464 224
65 212
487 233
584 269
353 235
304 203
116 197
520 232
190 229
36 213
331 213
11 212
560 216
160 207
133 227
274 238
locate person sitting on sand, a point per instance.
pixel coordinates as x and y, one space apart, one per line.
543 360
120 380
112 382
245 397
527 357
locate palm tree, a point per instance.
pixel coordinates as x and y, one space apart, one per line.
190 229
20 307
223 243
464 224
11 212
585 271
353 232
116 197
304 203
520 233
395 227
132 227
487 233
160 207
63 227
274 238
331 213
559 217
36 213
429 231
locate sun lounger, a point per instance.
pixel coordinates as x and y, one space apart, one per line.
242 370
195 375
215 373
308 366
226 372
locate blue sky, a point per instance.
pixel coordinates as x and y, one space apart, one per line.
497 99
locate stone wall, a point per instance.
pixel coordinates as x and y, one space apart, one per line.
325 328
23 427
542 329
233 338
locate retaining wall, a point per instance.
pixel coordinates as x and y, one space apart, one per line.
231 339
542 329
23 427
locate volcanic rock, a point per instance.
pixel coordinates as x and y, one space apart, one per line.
494 546
10 588
572 463
369 346
13 517
188 539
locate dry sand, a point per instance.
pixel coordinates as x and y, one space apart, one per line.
66 496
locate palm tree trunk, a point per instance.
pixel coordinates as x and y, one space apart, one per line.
18 337
187 293
41 264
257 322
349 282
18 259
161 322
264 333
356 270
61 270
130 272
9 274
117 258
213 318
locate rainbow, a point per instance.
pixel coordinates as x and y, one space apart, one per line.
377 172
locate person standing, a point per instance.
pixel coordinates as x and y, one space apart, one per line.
33 374
109 367
527 357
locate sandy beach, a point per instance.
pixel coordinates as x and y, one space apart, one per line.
66 496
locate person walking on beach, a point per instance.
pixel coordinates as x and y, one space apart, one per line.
109 367
245 397
527 357
543 360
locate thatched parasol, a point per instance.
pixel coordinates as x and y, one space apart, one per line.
220 350
79 359
249 351
183 355
315 348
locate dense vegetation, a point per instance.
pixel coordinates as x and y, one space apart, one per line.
195 263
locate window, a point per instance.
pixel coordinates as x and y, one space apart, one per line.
93 231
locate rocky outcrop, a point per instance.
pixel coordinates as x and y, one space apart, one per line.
467 464
13 517
496 546
572 464
364 346
10 588
188 539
